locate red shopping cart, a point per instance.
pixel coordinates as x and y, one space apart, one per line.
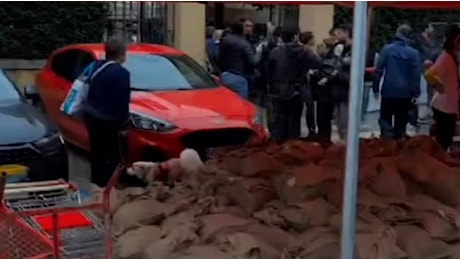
48 220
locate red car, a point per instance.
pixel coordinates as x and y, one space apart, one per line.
175 103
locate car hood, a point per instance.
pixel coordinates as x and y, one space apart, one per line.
22 123
188 104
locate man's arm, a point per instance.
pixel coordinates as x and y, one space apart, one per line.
272 56
249 54
416 73
123 88
379 69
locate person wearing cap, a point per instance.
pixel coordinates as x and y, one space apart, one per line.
400 66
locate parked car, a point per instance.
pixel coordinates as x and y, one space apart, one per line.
27 138
175 103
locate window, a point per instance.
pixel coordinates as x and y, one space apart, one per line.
162 73
70 63
7 89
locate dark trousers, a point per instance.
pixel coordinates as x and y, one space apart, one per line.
105 155
325 112
394 116
445 128
311 112
285 118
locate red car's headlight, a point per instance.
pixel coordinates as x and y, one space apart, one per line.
148 123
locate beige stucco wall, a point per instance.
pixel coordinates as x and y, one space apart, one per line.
189 29
316 18
21 77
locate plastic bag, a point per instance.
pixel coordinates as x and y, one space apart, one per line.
75 99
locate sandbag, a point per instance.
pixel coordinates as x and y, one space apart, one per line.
201 252
250 194
133 242
270 214
436 178
244 245
437 226
178 238
137 213
259 164
417 243
301 216
182 219
215 224
272 236
370 148
378 243
382 177
302 183
320 241
298 152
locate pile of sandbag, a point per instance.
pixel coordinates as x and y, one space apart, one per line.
284 201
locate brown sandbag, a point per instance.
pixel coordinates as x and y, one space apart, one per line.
378 243
298 152
305 182
270 214
244 245
133 242
417 243
382 177
301 216
322 242
172 222
178 238
137 213
454 252
250 194
437 226
375 147
201 252
272 236
215 224
259 164
436 178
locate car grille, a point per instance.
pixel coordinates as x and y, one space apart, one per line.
216 138
18 155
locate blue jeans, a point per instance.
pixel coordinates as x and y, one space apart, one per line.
236 83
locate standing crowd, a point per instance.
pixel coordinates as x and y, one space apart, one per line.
287 72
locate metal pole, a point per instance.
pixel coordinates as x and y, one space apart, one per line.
354 120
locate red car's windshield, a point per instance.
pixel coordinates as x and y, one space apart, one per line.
162 73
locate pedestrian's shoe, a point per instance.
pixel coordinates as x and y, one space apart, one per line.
312 133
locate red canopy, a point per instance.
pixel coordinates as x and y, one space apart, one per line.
411 5
393 4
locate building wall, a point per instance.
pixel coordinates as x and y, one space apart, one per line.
189 29
317 18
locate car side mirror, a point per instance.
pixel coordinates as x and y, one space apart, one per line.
30 92
216 79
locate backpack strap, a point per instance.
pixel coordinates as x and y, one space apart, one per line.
101 68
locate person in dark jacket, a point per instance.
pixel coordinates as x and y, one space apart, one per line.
399 65
341 79
312 63
236 61
106 112
287 77
332 83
